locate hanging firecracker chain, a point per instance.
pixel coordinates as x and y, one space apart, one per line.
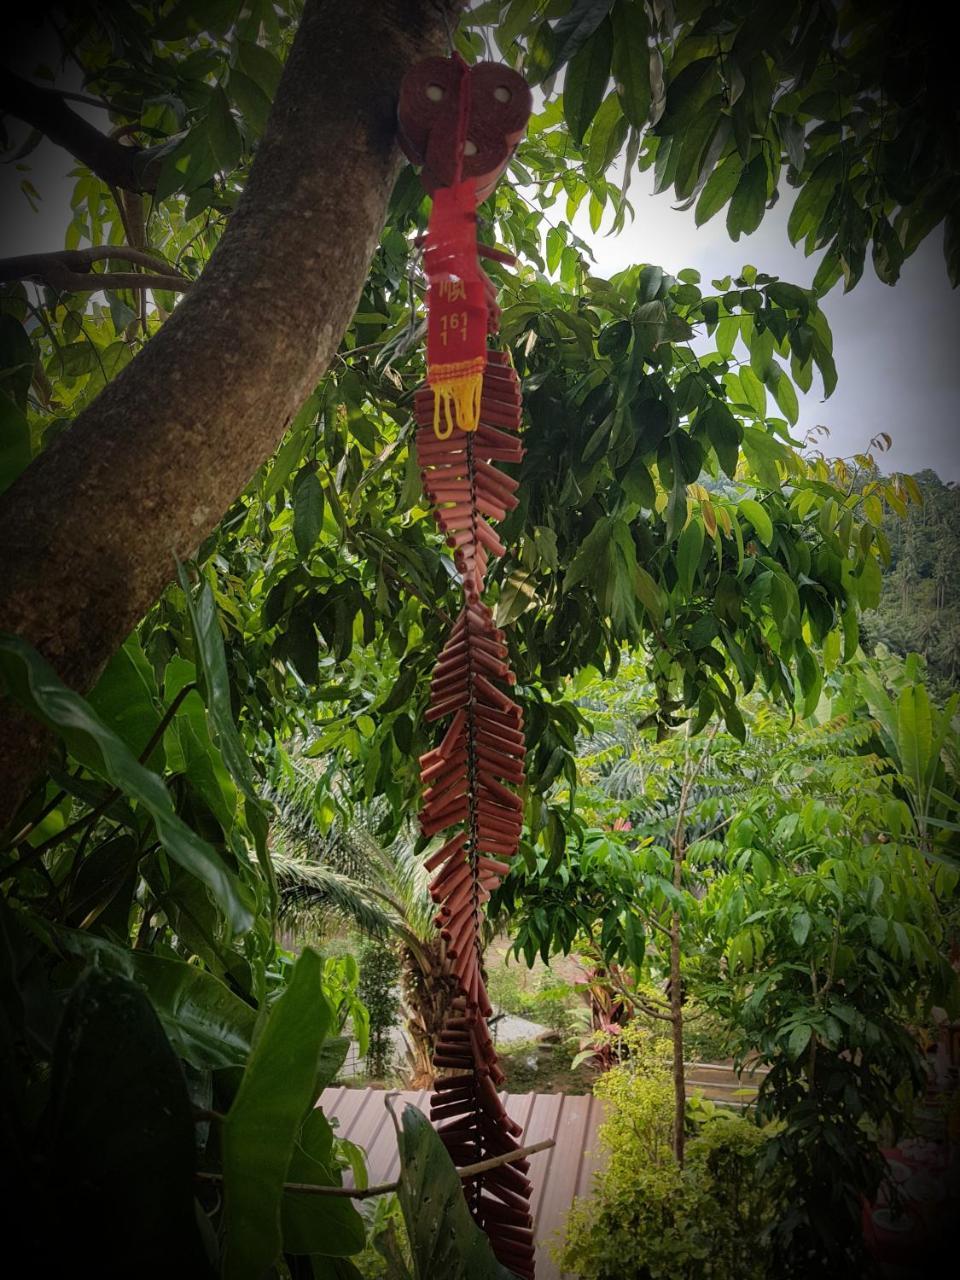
462 124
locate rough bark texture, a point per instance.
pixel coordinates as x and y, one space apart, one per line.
91 531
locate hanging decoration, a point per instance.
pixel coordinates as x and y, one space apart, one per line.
462 124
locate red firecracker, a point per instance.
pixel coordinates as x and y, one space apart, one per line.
462 125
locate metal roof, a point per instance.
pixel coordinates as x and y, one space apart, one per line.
558 1174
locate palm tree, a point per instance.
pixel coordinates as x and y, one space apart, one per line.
349 874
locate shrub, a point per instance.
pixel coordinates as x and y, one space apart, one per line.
648 1219
379 974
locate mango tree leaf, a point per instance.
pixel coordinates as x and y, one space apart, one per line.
631 61
585 81
29 680
746 208
206 1023
444 1239
277 1089
574 29
307 509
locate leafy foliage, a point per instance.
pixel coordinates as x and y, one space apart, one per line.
727 103
649 1219
667 511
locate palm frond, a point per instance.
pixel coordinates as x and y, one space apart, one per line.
309 889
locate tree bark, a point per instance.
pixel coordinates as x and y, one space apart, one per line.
92 530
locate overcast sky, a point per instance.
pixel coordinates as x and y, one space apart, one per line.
897 349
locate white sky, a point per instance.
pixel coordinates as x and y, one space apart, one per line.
897 349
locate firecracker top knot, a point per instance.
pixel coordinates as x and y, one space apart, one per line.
498 107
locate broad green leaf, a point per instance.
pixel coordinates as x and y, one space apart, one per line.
754 392
607 134
718 188
798 1040
585 80
724 433
811 680
307 509
786 398
444 1239
31 682
208 640
758 518
205 1022
631 61
312 1224
689 548
277 1089
125 698
119 1132
800 927
574 29
746 207
15 450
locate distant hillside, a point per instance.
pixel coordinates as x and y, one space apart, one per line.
919 610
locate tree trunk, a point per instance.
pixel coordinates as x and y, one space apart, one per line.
676 1027
92 530
427 996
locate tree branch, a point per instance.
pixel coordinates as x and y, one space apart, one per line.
46 110
384 1188
92 530
71 270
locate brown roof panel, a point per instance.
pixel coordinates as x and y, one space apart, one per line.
558 1174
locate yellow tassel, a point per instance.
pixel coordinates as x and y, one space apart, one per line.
456 402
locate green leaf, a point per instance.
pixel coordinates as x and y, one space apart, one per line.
724 433
753 391
811 680
718 188
574 29
786 398
631 61
798 1040
31 682
252 103
205 1022
800 928
307 509
585 81
758 518
119 1133
313 1224
746 208
262 66
125 698
444 1239
689 547
208 640
277 1089
591 552
225 142
15 450
607 133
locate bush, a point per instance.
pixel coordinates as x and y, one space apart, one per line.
648 1219
379 974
